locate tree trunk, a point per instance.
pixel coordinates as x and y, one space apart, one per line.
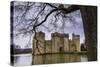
89 16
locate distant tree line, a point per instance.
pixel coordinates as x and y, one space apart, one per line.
16 49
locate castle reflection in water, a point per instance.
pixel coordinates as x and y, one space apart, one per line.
59 49
26 59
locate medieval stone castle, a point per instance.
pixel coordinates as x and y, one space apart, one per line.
58 43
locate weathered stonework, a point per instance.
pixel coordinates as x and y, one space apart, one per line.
39 43
48 46
58 43
76 41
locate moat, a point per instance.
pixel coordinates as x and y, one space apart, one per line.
26 59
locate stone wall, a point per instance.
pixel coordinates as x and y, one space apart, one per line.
58 43
76 42
48 46
66 44
39 43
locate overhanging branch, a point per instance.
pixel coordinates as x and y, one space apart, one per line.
66 10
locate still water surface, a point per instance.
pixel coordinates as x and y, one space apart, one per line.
26 59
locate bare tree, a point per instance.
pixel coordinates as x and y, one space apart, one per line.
31 17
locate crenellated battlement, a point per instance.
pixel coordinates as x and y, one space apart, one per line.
59 42
56 34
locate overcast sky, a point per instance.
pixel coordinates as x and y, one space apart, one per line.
69 28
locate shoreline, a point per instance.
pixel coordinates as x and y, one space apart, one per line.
83 52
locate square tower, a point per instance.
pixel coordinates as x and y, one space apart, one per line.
39 43
76 41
